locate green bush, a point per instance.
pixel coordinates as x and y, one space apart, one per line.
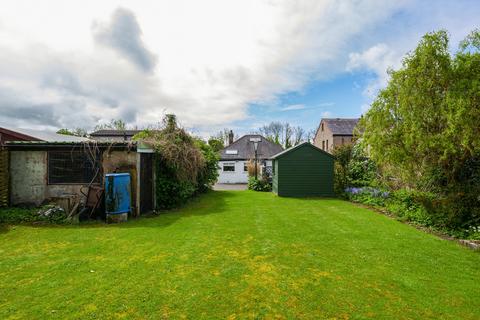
47 213
259 184
170 191
209 173
353 168
411 205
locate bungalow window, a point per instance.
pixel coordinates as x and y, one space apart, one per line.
229 167
71 167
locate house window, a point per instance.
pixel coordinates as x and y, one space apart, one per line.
71 167
245 167
323 145
229 167
231 151
322 126
343 141
327 145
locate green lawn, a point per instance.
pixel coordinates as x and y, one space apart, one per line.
238 255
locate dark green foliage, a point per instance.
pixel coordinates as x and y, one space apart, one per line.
184 165
411 205
47 213
209 174
170 191
353 168
343 156
259 184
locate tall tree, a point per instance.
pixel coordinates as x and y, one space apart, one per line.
273 132
310 135
427 118
283 134
298 135
287 131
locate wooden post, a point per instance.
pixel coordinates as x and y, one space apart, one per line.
4 178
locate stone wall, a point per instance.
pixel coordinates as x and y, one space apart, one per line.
324 138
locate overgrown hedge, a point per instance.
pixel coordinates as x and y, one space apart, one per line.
184 165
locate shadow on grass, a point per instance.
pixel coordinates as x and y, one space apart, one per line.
4 228
212 202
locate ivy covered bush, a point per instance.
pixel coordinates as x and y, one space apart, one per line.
184 164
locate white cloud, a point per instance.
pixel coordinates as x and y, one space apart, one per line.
207 60
377 59
294 107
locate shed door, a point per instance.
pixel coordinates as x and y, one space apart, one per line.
146 182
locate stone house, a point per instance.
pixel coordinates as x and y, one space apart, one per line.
334 132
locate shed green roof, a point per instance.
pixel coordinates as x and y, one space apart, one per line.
280 154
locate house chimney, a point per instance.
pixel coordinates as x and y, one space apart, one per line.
230 137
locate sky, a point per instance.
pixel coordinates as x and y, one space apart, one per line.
216 64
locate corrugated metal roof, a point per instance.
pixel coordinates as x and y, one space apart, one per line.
245 149
49 136
47 145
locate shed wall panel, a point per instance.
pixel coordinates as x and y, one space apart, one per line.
305 172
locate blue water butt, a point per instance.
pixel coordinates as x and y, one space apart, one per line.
117 193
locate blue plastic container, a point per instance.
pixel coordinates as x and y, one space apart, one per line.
117 193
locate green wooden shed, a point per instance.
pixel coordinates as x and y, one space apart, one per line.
303 171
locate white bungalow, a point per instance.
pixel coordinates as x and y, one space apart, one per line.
234 157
